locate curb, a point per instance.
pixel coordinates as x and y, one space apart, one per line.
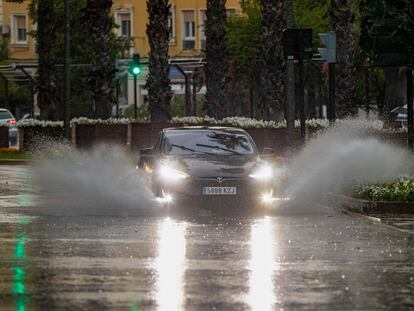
370 207
377 220
16 162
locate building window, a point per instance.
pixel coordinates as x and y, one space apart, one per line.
124 22
19 29
171 24
203 18
188 31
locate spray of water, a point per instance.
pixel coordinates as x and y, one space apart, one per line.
101 181
104 180
342 156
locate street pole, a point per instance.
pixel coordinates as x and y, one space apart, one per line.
251 102
290 84
301 92
117 99
410 121
366 87
187 95
67 70
194 101
6 93
332 95
135 98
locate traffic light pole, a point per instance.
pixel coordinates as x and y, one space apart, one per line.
117 98
410 121
290 84
332 95
301 93
67 70
135 98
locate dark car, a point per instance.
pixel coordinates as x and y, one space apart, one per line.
212 165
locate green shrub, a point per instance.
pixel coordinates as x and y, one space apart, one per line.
401 190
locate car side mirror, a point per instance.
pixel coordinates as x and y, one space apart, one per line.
269 152
144 156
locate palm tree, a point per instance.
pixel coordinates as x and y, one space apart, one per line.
158 81
46 46
97 16
216 58
342 20
272 71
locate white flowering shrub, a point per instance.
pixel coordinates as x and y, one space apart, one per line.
39 123
233 121
248 122
194 120
316 124
373 125
87 121
399 191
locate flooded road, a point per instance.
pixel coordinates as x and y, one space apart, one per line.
316 260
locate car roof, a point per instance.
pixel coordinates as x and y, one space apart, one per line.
205 128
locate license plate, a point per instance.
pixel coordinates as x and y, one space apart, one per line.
219 190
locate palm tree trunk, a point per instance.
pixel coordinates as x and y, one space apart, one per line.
342 20
46 75
99 20
158 80
272 71
216 56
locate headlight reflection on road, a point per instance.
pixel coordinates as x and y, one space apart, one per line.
262 264
170 265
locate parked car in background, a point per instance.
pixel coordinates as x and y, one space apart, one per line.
6 117
401 115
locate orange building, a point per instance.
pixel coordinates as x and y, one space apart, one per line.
187 36
15 27
187 24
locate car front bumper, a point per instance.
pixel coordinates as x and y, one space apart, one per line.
190 192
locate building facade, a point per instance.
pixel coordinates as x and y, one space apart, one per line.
187 40
15 28
187 27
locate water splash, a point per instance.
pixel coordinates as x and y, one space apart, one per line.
342 156
95 182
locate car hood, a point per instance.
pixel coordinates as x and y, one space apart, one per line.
216 166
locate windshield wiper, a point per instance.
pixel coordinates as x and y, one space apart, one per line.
191 150
220 148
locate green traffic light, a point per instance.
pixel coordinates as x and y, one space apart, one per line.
135 65
136 70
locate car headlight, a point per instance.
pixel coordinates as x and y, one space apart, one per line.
168 173
263 173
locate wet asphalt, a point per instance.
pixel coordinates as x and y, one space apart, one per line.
312 258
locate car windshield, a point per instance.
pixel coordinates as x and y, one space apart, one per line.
210 142
5 115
